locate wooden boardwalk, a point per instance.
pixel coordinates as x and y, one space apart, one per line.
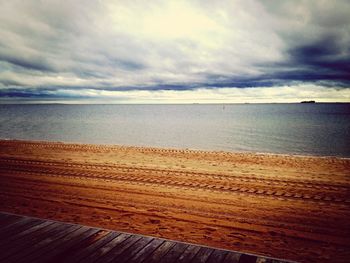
28 239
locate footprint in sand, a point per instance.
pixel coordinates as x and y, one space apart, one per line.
154 221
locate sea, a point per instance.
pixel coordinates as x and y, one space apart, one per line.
321 129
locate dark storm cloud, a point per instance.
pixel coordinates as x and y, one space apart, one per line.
326 55
34 93
316 35
64 49
325 61
29 64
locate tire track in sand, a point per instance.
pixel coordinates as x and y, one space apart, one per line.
145 176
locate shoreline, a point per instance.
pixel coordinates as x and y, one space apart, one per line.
171 149
289 207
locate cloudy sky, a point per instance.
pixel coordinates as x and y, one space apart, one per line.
205 51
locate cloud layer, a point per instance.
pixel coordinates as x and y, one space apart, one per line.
171 51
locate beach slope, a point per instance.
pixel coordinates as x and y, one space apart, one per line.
288 207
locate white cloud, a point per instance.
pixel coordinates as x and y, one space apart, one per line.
168 38
130 44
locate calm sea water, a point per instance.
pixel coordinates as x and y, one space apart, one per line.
307 129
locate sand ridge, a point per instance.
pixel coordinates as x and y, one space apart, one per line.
289 207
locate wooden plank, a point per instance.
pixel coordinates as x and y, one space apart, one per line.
67 245
116 251
174 253
232 257
24 233
27 254
106 248
25 239
188 254
41 242
19 228
49 248
202 255
134 249
4 216
18 245
81 254
247 259
14 222
160 252
267 260
146 251
9 220
91 239
217 256
263 260
74 244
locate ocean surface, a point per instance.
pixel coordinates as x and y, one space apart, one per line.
303 129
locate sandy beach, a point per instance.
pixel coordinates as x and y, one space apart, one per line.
288 207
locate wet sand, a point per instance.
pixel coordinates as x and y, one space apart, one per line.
288 207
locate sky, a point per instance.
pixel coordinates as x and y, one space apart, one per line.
200 51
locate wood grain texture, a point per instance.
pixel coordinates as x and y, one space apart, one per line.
64 242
